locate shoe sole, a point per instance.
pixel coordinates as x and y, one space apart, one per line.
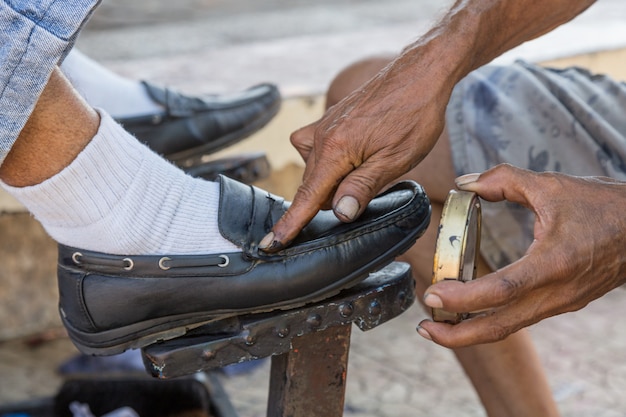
148 332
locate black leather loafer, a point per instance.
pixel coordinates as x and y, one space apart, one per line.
195 126
110 303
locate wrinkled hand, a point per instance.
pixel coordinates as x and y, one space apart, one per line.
576 257
361 144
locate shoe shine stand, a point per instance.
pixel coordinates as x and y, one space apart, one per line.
309 345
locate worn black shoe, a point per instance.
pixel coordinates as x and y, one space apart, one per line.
195 126
110 303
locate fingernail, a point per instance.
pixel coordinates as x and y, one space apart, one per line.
422 332
267 241
348 207
432 300
466 179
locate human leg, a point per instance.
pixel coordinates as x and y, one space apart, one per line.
115 195
34 38
155 253
507 375
103 88
173 124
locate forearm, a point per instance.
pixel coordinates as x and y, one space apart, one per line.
474 32
389 124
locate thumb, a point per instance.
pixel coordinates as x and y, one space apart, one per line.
503 182
358 188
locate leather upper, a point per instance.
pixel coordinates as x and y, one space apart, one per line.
191 125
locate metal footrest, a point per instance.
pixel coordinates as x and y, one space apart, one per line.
382 296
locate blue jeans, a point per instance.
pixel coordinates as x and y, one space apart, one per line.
35 36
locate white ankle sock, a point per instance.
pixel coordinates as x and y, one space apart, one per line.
119 197
102 88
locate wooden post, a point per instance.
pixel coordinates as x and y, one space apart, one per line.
310 379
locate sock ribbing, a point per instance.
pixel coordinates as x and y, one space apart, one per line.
119 96
118 196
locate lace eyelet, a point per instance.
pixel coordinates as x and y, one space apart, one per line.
162 263
226 261
76 256
130 263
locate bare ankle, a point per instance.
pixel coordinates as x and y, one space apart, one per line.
59 128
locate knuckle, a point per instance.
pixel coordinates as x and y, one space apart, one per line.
579 305
550 181
298 138
506 167
367 184
507 288
570 299
499 332
305 193
503 169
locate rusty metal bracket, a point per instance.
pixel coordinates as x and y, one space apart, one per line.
382 296
310 379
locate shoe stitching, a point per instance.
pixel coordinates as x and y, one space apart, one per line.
81 300
349 235
164 263
250 250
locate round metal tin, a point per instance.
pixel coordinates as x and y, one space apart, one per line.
458 245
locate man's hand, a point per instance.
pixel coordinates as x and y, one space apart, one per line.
388 126
363 143
577 256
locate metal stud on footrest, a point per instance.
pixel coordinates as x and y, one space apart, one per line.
382 296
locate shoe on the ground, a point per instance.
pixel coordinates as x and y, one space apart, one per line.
110 303
193 126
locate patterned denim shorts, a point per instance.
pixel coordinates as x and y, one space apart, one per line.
569 121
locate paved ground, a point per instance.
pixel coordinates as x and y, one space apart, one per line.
220 45
394 373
